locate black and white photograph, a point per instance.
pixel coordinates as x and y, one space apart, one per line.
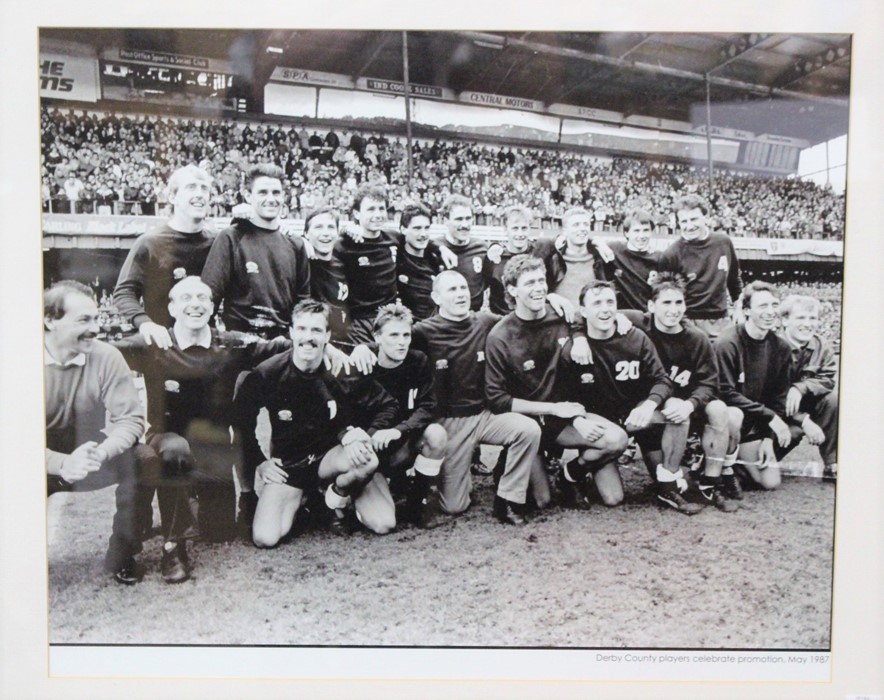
444 341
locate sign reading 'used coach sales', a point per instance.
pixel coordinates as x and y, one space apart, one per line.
68 77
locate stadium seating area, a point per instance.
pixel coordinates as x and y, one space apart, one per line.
117 164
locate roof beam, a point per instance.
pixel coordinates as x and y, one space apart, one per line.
371 52
744 44
654 69
645 38
804 67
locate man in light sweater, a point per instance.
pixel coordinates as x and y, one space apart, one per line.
93 417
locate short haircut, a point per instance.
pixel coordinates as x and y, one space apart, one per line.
637 216
456 200
753 288
444 274
263 170
517 266
396 311
318 212
311 306
666 281
54 297
369 190
413 211
799 302
190 279
176 177
518 211
691 201
572 212
595 287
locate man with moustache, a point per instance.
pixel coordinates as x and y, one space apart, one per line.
322 428
258 272
158 259
634 266
189 449
754 366
812 401
93 417
472 254
709 264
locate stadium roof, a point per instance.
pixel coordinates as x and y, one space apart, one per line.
787 84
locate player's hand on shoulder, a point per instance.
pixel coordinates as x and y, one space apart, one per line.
353 231
605 252
336 360
80 463
155 334
382 438
495 253
563 307
624 325
271 471
363 359
449 257
241 212
580 352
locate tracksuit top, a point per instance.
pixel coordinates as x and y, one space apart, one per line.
474 265
155 263
632 273
411 384
309 411
260 275
711 270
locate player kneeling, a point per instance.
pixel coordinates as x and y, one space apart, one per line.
412 451
322 429
688 359
626 384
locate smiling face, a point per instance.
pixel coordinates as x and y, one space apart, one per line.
191 200
517 228
800 324
460 224
322 232
668 310
599 307
266 198
393 340
763 311
309 334
190 304
417 235
529 293
692 224
452 295
75 332
577 229
638 237
372 215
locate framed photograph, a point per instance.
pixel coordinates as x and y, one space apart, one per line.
195 183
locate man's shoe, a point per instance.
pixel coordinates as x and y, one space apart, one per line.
429 513
669 495
713 496
730 487
339 522
571 494
505 512
130 573
174 566
830 472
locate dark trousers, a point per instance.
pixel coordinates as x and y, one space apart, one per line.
125 539
823 411
193 480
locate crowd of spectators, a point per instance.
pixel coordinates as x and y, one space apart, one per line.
118 163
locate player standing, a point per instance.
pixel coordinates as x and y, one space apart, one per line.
634 266
321 231
419 262
472 254
709 264
258 272
517 223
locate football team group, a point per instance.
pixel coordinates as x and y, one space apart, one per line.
379 360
